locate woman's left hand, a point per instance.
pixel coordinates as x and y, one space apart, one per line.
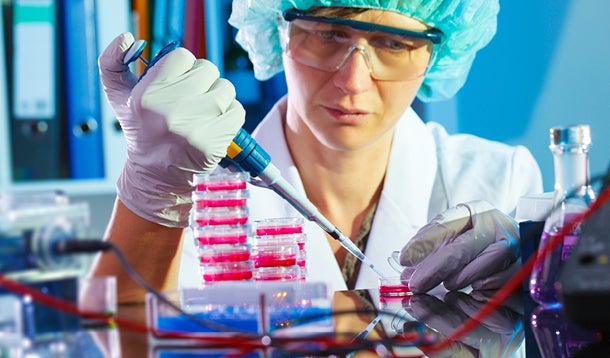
469 244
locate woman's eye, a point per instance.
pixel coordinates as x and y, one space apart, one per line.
393 44
334 34
327 35
397 45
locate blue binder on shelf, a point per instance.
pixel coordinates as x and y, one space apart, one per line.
159 25
82 91
168 23
36 129
175 20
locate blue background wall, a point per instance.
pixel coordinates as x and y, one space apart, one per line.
548 65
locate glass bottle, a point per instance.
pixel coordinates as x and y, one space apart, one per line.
573 194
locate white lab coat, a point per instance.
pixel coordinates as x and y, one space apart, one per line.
428 171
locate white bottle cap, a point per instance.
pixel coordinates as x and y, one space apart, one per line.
575 135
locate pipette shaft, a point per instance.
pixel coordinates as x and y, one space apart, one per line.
272 178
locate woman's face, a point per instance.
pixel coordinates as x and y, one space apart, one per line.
348 109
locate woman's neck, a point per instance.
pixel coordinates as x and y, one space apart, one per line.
343 185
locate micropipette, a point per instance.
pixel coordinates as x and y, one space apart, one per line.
245 154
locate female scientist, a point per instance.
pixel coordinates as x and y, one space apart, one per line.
344 134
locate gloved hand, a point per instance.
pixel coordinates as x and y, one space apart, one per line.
499 335
178 120
469 244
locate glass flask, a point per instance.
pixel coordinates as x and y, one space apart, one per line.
573 194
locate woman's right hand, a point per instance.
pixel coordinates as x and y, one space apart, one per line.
178 120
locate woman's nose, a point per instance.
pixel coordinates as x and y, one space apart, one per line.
354 72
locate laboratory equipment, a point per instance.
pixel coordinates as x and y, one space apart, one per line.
277 273
573 194
267 253
221 232
236 215
392 286
212 254
278 226
34 229
220 198
240 309
245 154
31 224
279 243
227 181
394 262
227 271
275 259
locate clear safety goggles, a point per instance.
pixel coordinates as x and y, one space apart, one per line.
326 43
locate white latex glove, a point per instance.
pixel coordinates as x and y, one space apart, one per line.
178 120
469 244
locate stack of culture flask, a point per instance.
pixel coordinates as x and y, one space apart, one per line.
220 226
278 249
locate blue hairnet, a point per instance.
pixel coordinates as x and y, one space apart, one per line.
468 26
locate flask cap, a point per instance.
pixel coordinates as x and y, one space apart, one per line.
575 135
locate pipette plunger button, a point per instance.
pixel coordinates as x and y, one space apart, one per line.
135 52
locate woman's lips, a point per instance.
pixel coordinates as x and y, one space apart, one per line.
347 115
